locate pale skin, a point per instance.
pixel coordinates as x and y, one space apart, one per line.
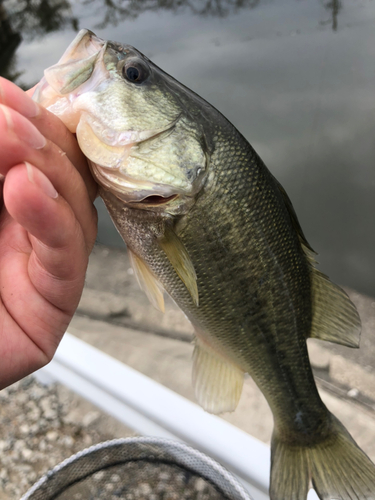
48 226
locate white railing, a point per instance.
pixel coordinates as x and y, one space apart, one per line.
151 409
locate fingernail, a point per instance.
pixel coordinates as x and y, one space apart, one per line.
7 116
2 98
34 138
29 108
37 177
25 130
20 101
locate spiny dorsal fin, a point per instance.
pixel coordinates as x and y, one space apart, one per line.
181 262
335 317
147 281
293 217
217 382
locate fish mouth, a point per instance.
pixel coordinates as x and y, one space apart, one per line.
108 153
155 200
73 69
134 192
85 44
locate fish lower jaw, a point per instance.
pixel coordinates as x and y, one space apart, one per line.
131 191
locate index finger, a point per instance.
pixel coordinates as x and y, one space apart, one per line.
50 126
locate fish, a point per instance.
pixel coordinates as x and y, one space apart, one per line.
205 221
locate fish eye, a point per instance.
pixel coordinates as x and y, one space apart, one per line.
135 72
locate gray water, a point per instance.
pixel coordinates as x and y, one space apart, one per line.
296 77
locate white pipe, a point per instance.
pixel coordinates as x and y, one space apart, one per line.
151 409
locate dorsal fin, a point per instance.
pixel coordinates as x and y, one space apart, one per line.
294 218
335 317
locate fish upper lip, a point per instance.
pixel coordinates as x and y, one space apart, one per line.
126 138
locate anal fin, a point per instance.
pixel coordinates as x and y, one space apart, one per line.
335 317
217 382
147 281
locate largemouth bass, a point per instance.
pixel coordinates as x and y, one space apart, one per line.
205 221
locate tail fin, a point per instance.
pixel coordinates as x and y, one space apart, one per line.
337 468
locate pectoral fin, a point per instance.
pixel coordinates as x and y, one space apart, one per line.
217 382
181 262
147 281
335 317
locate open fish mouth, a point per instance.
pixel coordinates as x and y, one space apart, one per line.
73 69
133 191
155 200
109 152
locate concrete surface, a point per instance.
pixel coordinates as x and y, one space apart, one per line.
115 316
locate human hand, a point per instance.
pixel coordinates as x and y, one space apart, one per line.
48 226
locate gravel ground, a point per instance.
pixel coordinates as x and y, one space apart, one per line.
40 427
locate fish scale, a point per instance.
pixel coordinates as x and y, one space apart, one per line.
221 237
226 315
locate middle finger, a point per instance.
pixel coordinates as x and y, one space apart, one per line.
21 141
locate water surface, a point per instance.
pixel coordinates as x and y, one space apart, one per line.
296 77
